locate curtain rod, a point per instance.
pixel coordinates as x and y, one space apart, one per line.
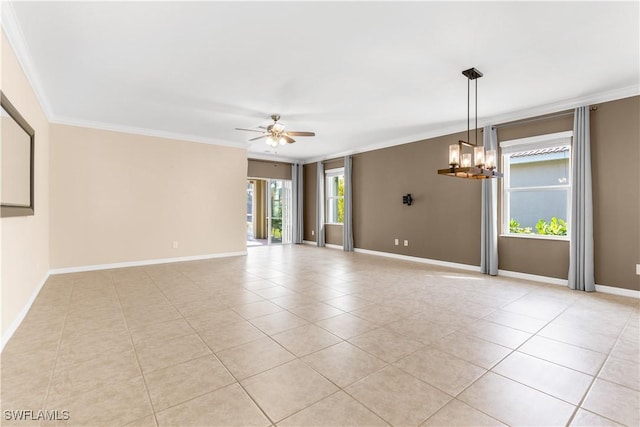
536 119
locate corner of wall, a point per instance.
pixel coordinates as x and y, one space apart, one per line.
24 242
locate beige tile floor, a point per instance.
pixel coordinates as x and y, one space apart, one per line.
297 335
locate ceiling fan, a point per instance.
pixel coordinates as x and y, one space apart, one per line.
276 134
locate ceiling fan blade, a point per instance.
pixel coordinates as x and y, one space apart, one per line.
288 139
258 137
296 133
250 130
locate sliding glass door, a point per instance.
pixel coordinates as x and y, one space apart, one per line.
279 211
269 212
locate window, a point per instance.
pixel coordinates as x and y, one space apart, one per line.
537 185
334 189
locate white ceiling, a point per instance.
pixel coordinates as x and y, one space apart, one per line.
360 74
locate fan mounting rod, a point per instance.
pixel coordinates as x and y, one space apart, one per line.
275 117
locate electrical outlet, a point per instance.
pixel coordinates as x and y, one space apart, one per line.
638 269
396 242
175 244
313 232
406 243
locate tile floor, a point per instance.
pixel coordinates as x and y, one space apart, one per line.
298 336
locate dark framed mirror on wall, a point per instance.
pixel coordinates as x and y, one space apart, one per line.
17 158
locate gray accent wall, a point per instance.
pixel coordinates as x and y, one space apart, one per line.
443 223
548 258
309 206
268 169
615 154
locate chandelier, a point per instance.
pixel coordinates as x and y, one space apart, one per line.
460 163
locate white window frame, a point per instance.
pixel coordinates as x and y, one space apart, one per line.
328 175
558 139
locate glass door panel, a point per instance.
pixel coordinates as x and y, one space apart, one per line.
250 214
279 212
287 212
275 211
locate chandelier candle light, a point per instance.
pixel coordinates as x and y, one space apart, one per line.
484 163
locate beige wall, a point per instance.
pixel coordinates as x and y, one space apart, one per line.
24 240
119 197
268 169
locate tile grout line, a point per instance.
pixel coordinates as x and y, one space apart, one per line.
217 358
45 402
573 303
595 377
135 352
296 358
501 360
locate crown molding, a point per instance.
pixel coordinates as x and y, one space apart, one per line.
15 37
568 104
610 95
16 40
271 157
390 143
143 132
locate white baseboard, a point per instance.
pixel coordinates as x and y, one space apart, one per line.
20 317
505 273
143 262
618 291
564 282
327 245
533 277
543 279
420 260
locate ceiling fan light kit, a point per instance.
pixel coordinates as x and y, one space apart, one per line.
484 163
275 133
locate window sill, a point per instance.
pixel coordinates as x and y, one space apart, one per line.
333 223
536 236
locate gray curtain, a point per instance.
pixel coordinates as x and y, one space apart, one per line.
320 206
489 216
296 196
347 229
581 276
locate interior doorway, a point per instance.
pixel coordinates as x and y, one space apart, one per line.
269 212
